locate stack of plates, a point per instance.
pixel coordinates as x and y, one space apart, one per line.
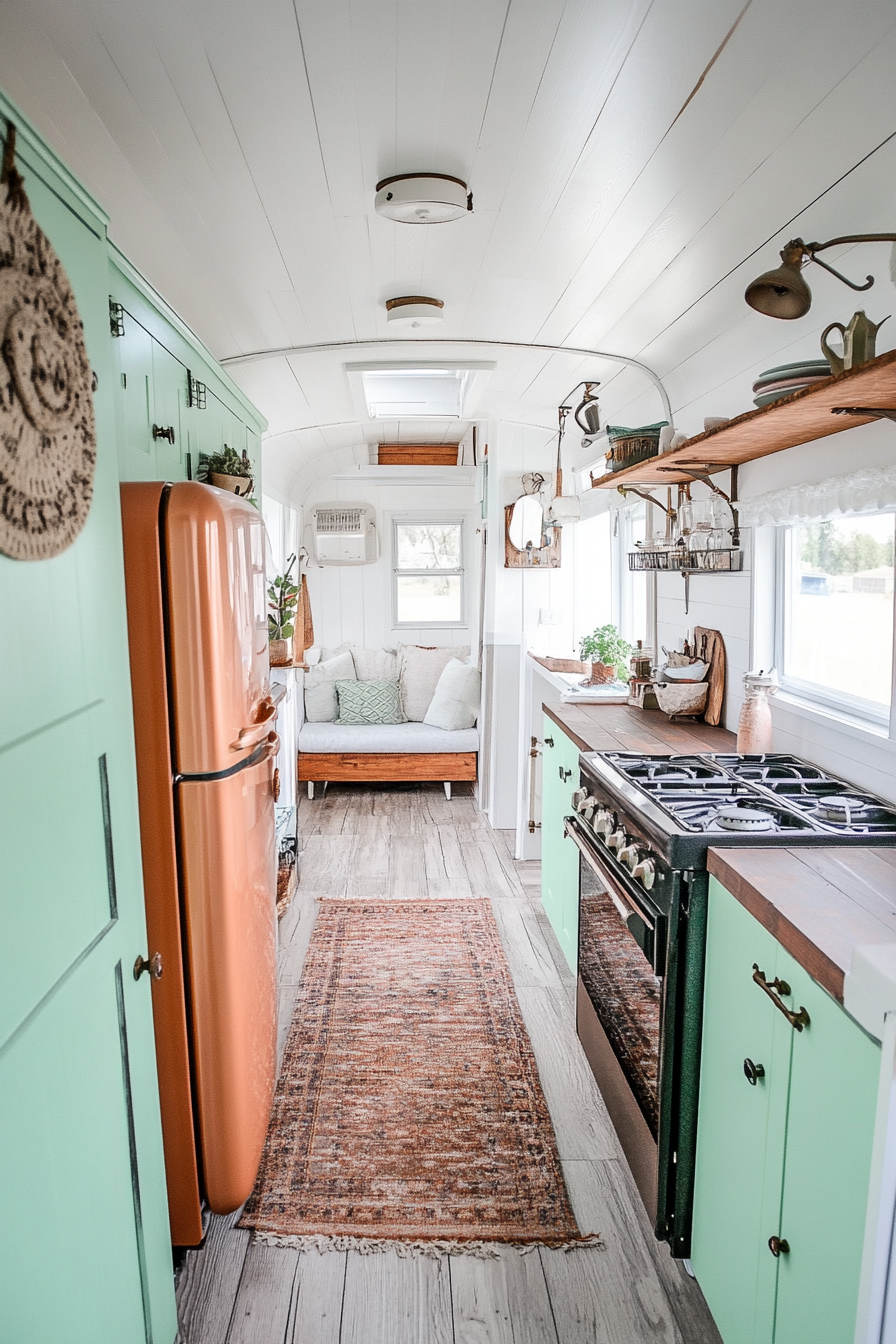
785 379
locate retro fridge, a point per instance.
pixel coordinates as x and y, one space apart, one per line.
205 733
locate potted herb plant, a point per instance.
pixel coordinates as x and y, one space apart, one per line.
228 470
283 600
608 654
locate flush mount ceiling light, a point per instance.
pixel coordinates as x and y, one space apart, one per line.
409 391
422 198
414 310
784 293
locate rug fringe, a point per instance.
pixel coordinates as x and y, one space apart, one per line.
482 1250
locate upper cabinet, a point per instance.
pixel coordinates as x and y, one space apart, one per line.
174 401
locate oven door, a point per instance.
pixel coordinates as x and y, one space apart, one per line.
642 916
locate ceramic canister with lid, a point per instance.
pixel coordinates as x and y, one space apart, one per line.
754 726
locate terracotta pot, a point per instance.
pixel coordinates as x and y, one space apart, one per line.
601 673
236 485
281 652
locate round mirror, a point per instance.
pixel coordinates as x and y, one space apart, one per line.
527 523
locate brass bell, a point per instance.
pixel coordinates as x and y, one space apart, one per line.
782 292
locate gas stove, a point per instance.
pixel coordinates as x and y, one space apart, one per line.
677 807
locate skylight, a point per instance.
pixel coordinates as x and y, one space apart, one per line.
418 391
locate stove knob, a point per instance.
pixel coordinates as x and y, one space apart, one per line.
645 871
617 840
629 856
578 799
604 823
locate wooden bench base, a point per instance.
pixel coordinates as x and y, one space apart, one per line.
374 767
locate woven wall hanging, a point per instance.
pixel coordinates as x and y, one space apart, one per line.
47 432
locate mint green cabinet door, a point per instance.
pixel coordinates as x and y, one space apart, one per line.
833 1095
136 450
741 1126
169 396
559 856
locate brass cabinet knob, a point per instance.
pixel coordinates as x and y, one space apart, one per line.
753 1072
778 1246
153 964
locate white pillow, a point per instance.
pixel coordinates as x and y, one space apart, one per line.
419 670
375 664
321 705
456 700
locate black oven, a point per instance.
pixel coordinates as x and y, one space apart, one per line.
640 971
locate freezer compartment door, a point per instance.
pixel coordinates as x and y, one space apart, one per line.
230 883
217 615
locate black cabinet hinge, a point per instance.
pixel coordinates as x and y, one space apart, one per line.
196 392
116 317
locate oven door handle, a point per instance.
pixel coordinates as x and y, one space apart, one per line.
624 903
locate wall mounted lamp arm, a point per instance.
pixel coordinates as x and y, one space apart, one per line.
651 499
784 293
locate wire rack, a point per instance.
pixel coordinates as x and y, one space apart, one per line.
680 559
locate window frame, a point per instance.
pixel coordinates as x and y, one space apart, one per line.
864 713
422 520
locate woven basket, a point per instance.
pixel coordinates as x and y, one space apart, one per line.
236 485
280 652
628 452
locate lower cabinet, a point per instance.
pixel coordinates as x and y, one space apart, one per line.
786 1120
559 856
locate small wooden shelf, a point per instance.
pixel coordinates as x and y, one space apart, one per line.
799 418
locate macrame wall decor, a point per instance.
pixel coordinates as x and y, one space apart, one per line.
47 433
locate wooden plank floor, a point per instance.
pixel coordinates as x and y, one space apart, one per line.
412 841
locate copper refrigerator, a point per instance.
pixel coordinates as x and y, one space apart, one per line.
205 735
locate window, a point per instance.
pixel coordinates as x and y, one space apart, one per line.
428 562
835 638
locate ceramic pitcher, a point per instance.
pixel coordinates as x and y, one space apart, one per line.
858 342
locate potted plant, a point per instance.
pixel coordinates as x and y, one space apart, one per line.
283 600
228 470
608 654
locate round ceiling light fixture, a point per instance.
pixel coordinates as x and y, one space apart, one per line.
422 198
414 310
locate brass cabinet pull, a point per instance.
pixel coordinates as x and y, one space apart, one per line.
778 1246
152 964
797 1020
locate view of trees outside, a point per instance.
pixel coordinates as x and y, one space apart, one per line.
427 596
839 632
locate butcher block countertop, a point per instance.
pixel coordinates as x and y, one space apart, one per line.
820 904
624 728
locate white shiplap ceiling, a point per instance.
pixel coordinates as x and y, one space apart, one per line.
633 165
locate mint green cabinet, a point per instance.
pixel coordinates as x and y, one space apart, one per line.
785 1156
85 1251
559 856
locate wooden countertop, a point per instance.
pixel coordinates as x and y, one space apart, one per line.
819 903
624 728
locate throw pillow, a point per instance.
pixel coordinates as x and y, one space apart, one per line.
369 702
375 664
320 687
456 700
419 670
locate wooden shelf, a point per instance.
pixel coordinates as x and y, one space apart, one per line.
799 418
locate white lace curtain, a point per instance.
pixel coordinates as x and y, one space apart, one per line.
872 490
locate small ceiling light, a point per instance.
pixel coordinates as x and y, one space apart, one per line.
784 293
414 310
422 198
587 413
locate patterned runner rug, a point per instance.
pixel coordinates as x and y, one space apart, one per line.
409 1108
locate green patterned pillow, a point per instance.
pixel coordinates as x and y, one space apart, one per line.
369 702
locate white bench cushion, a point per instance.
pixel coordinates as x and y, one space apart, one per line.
385 737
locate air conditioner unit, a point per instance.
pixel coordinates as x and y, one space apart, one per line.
344 534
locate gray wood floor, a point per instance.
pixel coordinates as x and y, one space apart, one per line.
413 842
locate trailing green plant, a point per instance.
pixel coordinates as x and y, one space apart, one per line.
606 645
283 601
228 463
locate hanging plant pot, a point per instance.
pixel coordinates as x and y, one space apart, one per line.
281 652
236 485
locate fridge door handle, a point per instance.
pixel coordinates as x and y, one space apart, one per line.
257 731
